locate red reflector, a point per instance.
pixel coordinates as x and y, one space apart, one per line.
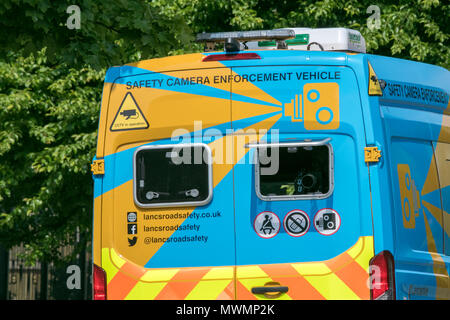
99 283
381 271
236 56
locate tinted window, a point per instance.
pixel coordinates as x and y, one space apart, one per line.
176 175
302 171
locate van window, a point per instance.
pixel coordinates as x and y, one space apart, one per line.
168 176
303 172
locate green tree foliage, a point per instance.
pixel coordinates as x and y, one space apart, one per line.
50 92
416 30
110 31
51 80
48 122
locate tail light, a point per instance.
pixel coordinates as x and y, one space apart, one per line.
229 56
99 283
382 284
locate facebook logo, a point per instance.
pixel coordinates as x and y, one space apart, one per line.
132 228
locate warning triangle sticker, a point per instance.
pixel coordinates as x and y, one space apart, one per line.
129 116
374 85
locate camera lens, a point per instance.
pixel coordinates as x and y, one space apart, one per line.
308 181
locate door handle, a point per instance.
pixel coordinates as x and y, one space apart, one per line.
271 289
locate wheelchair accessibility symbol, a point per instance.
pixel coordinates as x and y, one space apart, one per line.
296 223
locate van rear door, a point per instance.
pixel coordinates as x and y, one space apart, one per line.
301 190
164 235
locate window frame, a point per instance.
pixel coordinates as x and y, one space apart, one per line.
324 142
178 203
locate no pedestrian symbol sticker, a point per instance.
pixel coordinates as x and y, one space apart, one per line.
267 224
296 223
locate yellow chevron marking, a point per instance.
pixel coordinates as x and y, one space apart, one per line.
110 266
159 275
250 272
117 259
209 289
330 286
365 254
145 290
313 268
217 279
219 273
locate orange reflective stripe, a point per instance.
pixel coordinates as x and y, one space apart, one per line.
181 284
242 293
228 293
351 273
279 270
342 277
286 275
124 281
299 288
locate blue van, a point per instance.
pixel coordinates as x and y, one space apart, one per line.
291 165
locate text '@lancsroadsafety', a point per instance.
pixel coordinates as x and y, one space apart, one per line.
231 309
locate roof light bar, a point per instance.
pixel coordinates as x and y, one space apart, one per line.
247 35
308 39
232 39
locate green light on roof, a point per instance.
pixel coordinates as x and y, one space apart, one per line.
300 39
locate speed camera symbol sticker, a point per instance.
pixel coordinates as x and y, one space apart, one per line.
296 223
327 221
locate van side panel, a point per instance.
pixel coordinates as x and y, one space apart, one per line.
413 111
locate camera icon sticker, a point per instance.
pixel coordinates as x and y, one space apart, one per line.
327 221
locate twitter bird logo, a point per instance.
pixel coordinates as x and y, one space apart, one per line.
132 242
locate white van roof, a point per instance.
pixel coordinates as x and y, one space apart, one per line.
326 39
321 39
